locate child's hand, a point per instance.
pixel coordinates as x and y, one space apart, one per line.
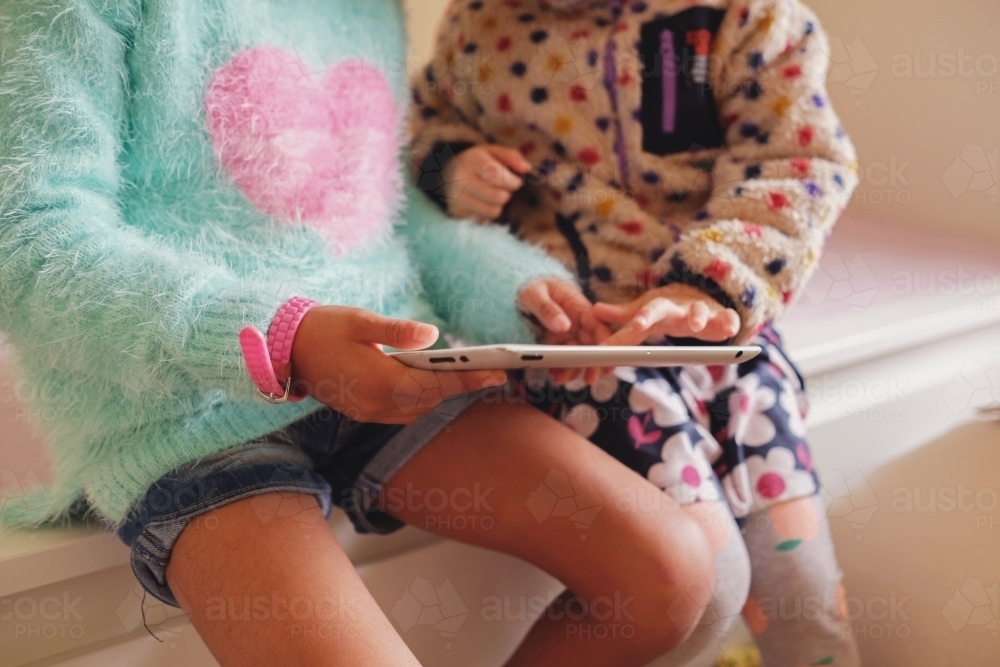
479 181
568 318
337 355
676 310
563 311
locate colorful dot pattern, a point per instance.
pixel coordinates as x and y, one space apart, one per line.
747 218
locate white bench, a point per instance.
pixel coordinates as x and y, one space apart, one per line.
888 371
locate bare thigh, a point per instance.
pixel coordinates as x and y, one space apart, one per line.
252 589
513 459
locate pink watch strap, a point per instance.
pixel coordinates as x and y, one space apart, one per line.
281 333
261 355
259 365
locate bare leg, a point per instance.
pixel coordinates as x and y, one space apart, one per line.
280 592
653 555
732 569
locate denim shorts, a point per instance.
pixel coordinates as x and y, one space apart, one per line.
326 455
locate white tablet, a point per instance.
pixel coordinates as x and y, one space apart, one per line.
503 357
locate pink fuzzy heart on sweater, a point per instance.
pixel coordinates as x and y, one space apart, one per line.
324 153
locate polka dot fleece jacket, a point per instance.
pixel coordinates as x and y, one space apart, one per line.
687 142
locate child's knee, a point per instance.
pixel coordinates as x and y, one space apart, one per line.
675 590
703 596
731 560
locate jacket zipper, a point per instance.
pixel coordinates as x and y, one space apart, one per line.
611 85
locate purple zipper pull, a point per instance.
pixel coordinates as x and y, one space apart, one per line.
668 65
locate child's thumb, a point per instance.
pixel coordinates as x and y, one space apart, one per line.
511 158
399 334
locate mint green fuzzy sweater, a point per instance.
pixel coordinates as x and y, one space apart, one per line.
132 250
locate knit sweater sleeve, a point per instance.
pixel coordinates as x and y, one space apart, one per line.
472 273
78 286
787 169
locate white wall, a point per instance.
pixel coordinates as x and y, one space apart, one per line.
921 119
423 20
916 131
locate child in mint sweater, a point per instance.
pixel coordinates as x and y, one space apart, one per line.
178 177
682 158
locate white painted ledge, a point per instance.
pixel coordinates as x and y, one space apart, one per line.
33 559
821 346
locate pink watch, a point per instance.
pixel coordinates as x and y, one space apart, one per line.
263 354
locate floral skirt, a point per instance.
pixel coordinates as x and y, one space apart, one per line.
735 433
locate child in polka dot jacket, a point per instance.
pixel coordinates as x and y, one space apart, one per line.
683 159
